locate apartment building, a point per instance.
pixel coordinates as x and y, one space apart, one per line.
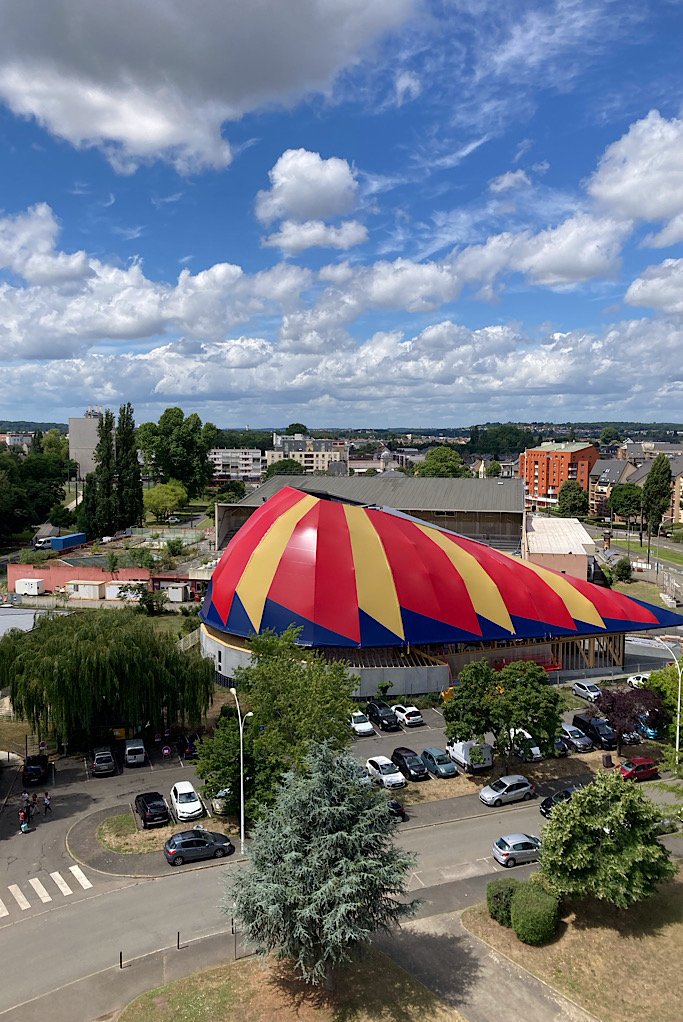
545 468
83 440
604 476
314 455
638 452
244 463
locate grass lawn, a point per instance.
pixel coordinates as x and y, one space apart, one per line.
639 590
258 990
617 965
120 833
13 735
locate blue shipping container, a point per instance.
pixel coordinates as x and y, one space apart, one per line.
65 542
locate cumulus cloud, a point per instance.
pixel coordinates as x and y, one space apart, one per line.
512 179
27 247
84 70
293 237
304 186
659 287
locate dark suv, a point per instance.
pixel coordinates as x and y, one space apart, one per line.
151 807
383 716
35 770
410 764
597 729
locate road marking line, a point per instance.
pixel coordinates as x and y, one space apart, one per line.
21 901
40 890
4 911
80 876
61 884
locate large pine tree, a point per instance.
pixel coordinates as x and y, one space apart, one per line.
129 508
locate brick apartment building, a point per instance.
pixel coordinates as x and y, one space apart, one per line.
545 468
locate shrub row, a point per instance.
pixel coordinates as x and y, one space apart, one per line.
530 909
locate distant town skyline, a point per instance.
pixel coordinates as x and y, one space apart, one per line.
348 214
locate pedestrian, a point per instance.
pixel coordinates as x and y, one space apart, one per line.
47 803
23 825
25 798
34 804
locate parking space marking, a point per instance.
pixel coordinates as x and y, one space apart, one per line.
61 884
18 896
40 890
78 873
4 911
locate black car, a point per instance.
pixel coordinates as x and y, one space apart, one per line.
187 746
597 729
35 770
151 808
560 747
548 804
397 809
383 716
410 764
191 845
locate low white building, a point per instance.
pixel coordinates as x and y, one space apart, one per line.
559 543
83 589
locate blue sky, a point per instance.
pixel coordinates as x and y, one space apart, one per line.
372 212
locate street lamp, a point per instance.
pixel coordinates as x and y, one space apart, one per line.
666 518
677 662
242 721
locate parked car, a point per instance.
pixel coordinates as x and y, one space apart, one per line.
186 803
597 729
219 802
173 520
646 727
397 809
513 788
560 748
438 762
382 771
409 716
383 716
638 680
470 756
516 848
586 690
575 738
360 725
152 808
102 762
35 770
410 764
187 746
639 768
524 746
191 845
548 804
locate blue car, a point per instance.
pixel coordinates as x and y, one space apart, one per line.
438 762
645 728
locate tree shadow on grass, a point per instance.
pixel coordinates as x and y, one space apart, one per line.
646 919
376 986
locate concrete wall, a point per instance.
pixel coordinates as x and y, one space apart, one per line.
575 565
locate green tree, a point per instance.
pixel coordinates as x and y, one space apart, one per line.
129 505
622 570
518 696
230 492
285 467
572 500
61 517
626 500
164 498
178 448
296 427
442 463
370 472
493 469
603 844
55 443
297 697
79 671
99 499
610 435
218 762
656 495
325 873
665 684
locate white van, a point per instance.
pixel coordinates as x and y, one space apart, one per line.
524 746
470 756
134 752
44 543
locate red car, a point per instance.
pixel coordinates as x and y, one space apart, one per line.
640 768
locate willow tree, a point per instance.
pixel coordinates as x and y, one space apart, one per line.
83 671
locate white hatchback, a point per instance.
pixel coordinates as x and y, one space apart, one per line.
638 680
186 803
382 771
409 716
360 725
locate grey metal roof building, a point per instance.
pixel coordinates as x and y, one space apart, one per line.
490 510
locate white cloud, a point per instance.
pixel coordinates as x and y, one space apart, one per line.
304 186
659 287
512 179
27 243
293 237
407 86
85 71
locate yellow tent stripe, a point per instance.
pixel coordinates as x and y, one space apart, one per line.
257 577
578 605
483 591
374 580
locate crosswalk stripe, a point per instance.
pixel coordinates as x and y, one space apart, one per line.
21 901
40 890
4 911
61 884
80 876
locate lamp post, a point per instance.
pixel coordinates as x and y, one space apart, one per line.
666 518
677 662
242 721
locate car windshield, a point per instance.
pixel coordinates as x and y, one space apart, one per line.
360 718
388 768
187 796
497 786
592 688
441 759
573 732
603 728
629 765
413 761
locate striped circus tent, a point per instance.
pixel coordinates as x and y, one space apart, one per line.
357 576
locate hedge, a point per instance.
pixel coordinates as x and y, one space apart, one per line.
534 914
498 898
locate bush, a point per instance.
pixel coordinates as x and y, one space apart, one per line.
499 895
534 914
622 571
